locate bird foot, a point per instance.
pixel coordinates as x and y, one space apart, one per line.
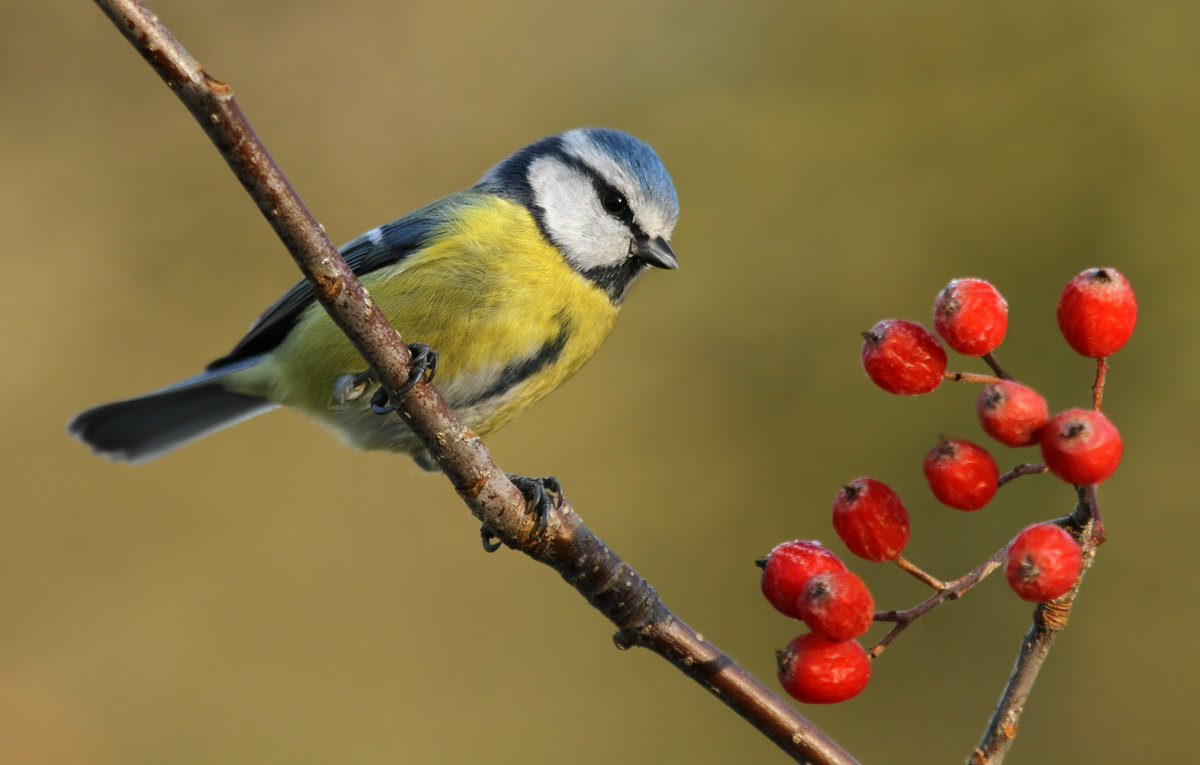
352 387
349 388
542 497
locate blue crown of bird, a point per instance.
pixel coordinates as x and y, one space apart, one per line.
505 289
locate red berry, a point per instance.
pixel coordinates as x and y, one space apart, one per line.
961 474
1043 563
1012 413
871 520
902 357
837 606
816 671
1097 312
789 566
971 316
1081 446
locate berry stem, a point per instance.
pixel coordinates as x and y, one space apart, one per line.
972 377
952 591
1025 468
1101 378
990 360
916 571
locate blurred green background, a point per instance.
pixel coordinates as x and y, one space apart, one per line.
268 596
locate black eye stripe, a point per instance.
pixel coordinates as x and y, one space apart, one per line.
604 190
614 203
608 196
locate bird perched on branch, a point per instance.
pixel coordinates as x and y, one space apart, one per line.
513 284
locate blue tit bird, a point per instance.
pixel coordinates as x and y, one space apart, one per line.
514 282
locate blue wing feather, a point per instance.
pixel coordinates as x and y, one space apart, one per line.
376 249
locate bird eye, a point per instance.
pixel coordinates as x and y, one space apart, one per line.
613 202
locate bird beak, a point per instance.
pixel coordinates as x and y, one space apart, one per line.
656 252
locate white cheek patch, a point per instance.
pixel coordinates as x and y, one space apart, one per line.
589 236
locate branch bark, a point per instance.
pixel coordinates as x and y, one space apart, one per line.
565 543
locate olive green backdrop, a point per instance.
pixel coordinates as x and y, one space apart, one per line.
268 596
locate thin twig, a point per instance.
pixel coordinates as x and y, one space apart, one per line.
1098 385
991 361
1025 468
971 377
1048 620
952 591
919 573
565 543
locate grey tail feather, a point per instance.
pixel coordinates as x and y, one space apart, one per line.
145 428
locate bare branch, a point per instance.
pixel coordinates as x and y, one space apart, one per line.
1048 620
565 543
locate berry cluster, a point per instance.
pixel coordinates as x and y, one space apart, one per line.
1096 313
806 581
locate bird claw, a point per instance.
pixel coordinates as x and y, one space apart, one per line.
424 363
380 404
349 388
491 542
424 366
542 497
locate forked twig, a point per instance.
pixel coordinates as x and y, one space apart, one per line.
952 590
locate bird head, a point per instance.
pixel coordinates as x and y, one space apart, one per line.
602 197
